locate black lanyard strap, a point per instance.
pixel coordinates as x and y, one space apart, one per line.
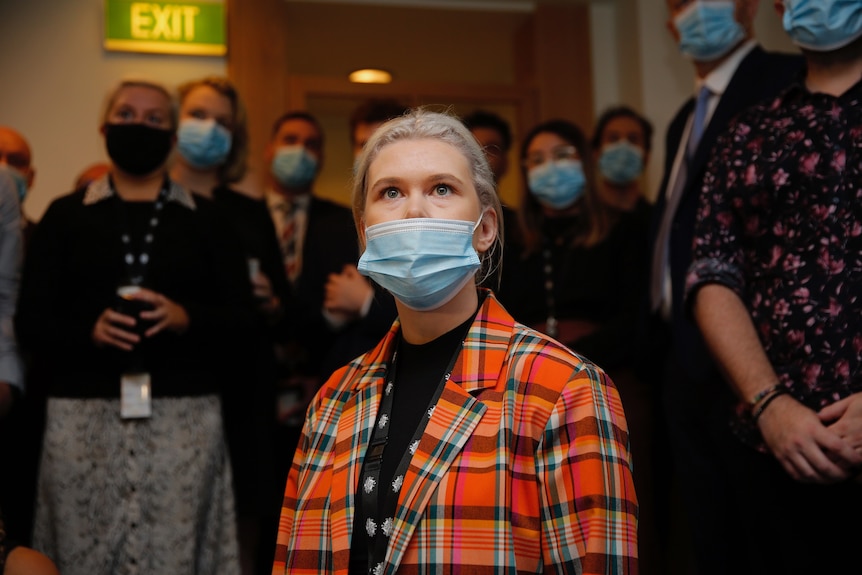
377 525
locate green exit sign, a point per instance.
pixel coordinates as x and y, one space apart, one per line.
196 28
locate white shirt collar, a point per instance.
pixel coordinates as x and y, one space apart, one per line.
100 189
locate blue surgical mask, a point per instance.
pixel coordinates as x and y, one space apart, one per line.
203 143
18 178
423 262
621 162
293 167
823 25
708 30
557 184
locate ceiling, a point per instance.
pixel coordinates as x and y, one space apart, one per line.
489 5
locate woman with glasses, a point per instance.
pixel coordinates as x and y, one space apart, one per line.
574 280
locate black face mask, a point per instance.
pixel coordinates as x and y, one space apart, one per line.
138 149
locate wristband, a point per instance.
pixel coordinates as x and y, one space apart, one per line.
762 394
757 411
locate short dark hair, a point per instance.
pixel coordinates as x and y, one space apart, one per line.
486 119
375 111
296 115
621 112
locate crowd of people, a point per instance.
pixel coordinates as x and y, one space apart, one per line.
196 379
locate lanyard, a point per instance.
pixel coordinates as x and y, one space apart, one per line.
136 263
377 525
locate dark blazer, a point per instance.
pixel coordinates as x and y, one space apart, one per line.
330 243
760 75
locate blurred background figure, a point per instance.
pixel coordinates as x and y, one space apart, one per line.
362 309
213 153
16 159
621 143
134 470
317 239
495 136
369 116
20 407
775 286
731 73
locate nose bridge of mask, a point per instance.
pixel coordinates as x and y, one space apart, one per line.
425 225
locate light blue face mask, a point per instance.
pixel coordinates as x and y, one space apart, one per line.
18 178
293 167
423 262
823 25
621 162
708 30
203 143
557 184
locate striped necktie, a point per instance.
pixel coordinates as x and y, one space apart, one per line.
288 240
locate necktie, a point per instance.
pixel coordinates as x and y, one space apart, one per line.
288 241
699 122
659 274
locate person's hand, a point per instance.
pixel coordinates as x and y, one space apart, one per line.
346 293
807 450
115 329
165 313
267 302
844 417
6 398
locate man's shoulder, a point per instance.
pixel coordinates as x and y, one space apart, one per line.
766 68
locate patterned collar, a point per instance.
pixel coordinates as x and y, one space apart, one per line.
101 189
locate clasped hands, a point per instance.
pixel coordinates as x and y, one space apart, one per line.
816 447
347 295
117 329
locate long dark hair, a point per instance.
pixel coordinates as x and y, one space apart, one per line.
532 217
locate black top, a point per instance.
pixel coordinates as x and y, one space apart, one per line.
601 284
74 265
417 378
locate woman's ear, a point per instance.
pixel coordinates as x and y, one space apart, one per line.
486 232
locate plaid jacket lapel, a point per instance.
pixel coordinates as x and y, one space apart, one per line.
453 420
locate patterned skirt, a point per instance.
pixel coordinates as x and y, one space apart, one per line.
136 496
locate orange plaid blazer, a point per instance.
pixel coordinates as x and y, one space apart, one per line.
524 466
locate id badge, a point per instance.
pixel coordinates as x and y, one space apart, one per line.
135 396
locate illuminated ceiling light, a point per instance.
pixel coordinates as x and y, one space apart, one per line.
370 76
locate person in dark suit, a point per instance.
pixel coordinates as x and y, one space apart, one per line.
318 241
363 309
732 72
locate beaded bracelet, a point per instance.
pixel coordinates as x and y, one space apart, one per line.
765 401
759 397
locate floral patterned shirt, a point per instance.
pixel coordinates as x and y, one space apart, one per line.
780 223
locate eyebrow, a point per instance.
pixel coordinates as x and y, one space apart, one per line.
443 177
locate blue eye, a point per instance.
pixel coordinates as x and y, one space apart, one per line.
442 190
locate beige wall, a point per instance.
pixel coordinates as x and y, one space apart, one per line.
55 74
